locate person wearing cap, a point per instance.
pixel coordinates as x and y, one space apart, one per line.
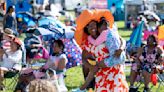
11 59
7 36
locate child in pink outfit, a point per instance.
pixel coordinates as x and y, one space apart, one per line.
100 39
103 35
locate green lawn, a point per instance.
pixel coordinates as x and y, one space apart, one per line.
125 33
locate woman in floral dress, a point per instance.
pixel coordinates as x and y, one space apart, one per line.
110 79
147 59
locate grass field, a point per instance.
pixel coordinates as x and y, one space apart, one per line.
74 77
125 33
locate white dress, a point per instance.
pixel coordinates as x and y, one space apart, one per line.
55 60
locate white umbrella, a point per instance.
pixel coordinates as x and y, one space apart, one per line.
43 31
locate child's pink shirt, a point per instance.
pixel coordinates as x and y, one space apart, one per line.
100 39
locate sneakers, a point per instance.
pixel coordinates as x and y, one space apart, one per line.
78 90
2 87
146 90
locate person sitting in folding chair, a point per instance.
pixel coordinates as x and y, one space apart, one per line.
32 44
148 57
11 59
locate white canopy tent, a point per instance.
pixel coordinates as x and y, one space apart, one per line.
133 7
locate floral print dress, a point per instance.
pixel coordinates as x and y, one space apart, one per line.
111 79
149 60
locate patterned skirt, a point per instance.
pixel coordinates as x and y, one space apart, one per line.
111 79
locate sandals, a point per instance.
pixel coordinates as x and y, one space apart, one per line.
133 89
146 90
2 87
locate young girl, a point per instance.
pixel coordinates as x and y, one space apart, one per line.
57 62
114 44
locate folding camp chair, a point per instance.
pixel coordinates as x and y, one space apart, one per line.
160 77
161 81
10 79
140 81
159 74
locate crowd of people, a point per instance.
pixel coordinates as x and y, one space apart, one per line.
103 56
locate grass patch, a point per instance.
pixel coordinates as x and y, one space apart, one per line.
120 24
124 32
74 78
